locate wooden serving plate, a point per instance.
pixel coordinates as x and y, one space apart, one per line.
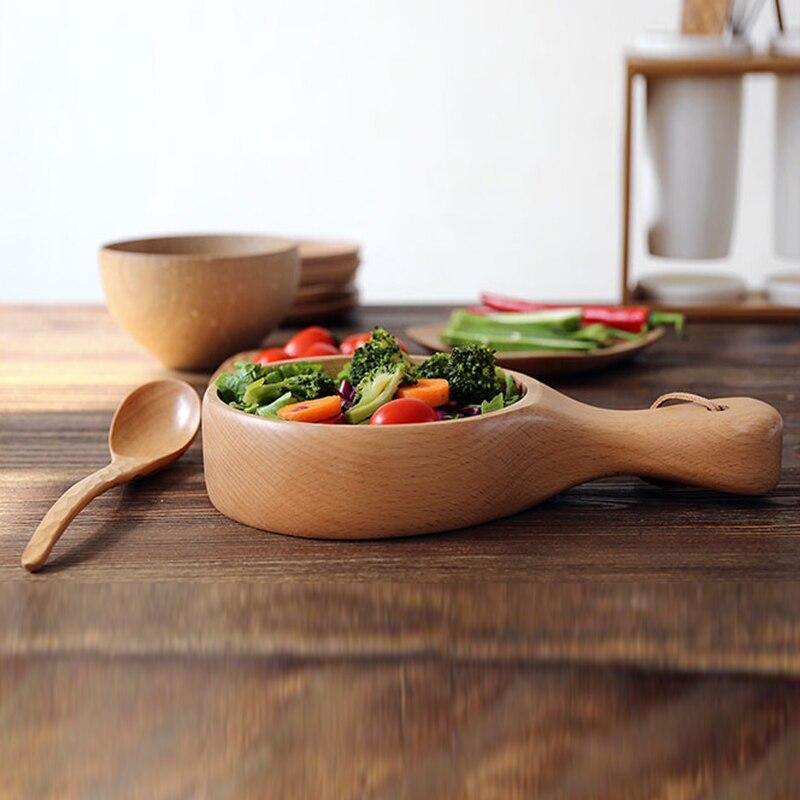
314 311
327 262
364 482
545 362
324 292
342 273
314 251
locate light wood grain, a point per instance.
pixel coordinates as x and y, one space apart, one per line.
305 313
755 306
192 300
335 272
315 252
324 292
718 65
153 426
626 192
704 17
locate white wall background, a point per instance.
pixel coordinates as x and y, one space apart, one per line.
467 144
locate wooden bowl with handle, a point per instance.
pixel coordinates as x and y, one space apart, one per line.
369 481
191 300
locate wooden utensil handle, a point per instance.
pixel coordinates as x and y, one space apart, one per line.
66 508
735 447
736 450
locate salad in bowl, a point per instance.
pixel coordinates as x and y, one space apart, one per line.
380 384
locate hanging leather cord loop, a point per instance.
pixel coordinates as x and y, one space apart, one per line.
689 398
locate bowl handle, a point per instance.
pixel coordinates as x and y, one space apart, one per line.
730 444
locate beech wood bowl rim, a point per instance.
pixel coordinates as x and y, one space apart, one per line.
531 389
264 245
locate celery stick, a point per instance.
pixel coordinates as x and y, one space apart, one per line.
506 343
271 410
544 323
565 318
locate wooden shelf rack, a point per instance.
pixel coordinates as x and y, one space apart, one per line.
755 306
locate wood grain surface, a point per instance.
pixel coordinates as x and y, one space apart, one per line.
233 728
533 656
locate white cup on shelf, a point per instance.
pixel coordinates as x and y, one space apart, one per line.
787 152
693 148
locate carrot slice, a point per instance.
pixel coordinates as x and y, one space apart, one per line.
433 391
319 410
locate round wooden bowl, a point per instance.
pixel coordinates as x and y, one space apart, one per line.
364 481
191 300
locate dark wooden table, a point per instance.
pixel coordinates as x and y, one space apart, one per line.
617 641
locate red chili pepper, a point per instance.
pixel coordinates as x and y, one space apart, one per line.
498 302
624 318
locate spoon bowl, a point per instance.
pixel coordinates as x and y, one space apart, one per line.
155 421
152 427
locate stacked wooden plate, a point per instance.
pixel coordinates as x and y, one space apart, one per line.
327 281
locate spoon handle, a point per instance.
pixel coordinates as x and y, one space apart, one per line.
65 509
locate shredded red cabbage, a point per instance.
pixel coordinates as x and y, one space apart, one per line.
347 392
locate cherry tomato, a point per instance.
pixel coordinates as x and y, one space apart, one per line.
321 349
302 340
403 411
270 354
352 343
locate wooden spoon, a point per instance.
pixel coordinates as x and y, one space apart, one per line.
153 426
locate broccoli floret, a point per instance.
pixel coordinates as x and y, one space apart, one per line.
374 390
344 373
310 385
380 355
250 385
437 366
471 372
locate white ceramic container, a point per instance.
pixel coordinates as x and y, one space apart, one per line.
787 152
693 147
784 289
691 289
